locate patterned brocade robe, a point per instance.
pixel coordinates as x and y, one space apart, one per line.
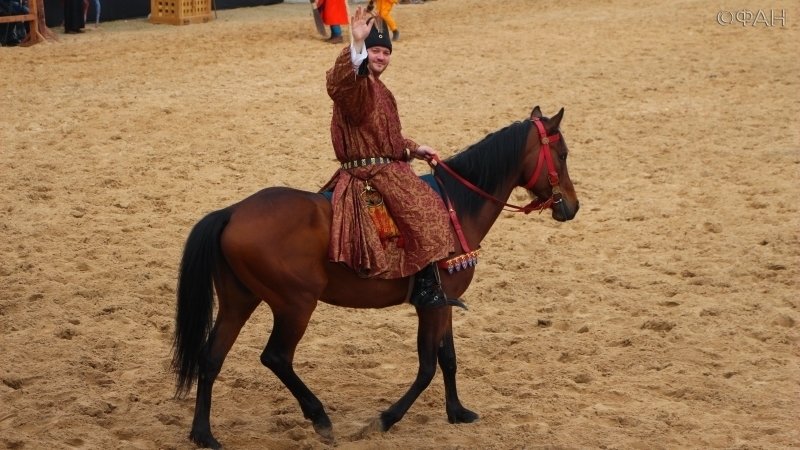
366 124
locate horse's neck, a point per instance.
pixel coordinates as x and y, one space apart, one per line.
477 226
499 157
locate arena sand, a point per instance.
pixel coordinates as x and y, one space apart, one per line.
664 316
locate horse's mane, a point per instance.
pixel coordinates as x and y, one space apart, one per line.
486 164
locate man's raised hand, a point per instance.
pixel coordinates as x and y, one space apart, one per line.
359 27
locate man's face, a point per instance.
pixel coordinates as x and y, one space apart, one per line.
378 58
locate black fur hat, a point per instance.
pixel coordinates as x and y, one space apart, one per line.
378 38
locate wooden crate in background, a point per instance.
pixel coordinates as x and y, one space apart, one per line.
180 12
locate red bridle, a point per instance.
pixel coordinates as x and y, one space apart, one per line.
545 158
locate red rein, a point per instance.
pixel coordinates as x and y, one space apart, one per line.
545 158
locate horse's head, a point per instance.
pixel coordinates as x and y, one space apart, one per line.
545 167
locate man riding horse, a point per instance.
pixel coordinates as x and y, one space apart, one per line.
376 182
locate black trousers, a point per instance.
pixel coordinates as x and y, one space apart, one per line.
73 15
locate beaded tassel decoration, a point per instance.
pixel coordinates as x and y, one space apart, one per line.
461 262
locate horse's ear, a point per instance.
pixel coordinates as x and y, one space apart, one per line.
536 112
556 120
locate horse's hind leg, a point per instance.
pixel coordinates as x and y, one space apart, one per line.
236 304
290 324
456 413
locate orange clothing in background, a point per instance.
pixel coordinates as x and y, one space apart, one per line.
333 12
384 10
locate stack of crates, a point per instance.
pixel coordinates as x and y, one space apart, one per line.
180 12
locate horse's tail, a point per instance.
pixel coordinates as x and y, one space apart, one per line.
195 306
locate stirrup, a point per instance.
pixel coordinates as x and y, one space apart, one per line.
447 302
457 302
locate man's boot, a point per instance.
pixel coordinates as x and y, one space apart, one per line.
427 291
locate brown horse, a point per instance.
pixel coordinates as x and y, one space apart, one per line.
273 247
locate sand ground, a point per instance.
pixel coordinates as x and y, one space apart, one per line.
664 316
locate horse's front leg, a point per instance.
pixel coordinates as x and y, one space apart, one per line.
456 413
433 324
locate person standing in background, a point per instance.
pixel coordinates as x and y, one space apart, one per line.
334 14
73 16
384 10
96 12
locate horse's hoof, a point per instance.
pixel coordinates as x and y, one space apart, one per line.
375 426
325 432
463 415
204 439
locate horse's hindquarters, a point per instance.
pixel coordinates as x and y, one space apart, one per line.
277 241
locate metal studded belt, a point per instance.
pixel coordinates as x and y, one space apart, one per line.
366 162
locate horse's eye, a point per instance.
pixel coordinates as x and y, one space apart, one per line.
563 157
